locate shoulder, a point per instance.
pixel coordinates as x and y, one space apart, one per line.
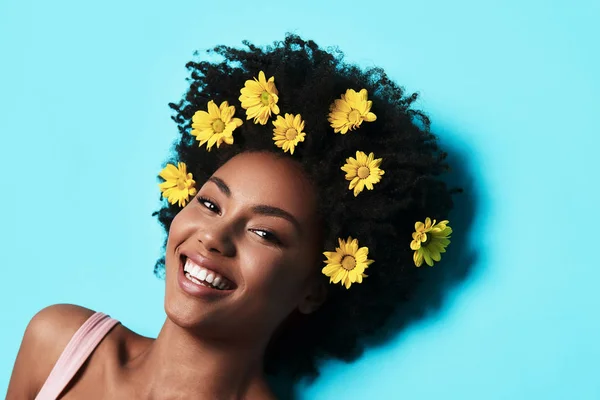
54 326
50 330
46 336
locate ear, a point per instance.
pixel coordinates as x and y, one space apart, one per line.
315 296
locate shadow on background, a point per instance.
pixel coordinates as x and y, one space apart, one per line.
437 282
457 263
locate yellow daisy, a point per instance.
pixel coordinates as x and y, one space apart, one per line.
350 111
215 126
288 132
259 98
346 265
362 171
429 241
178 185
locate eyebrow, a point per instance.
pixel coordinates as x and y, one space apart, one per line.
262 209
221 185
276 212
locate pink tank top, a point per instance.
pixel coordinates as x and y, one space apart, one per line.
79 348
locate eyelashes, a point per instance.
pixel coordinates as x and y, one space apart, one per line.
209 204
264 234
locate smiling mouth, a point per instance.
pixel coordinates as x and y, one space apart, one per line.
205 277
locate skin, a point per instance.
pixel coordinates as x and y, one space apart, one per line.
208 348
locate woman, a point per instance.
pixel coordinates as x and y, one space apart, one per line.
292 235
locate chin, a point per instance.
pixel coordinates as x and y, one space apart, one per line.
197 312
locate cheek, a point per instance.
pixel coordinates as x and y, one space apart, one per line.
276 276
182 226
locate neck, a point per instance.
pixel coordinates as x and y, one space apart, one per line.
179 364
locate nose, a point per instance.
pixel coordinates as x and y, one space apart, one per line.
217 238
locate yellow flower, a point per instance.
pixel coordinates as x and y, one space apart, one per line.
178 185
288 132
259 98
429 241
362 171
215 126
347 263
350 111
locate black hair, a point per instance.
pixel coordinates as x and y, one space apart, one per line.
309 79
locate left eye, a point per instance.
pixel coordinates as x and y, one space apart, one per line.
268 236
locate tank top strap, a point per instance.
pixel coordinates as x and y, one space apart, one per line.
79 348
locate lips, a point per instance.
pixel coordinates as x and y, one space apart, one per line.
204 263
203 276
194 273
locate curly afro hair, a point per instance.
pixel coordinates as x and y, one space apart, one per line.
309 79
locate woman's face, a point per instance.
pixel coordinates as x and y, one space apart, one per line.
254 226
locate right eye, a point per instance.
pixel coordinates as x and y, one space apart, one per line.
209 204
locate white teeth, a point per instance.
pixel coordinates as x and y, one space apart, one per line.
202 274
191 278
204 277
188 265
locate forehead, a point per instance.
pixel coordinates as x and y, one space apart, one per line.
264 178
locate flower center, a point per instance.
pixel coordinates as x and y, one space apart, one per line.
348 263
354 117
363 172
291 134
181 183
265 98
218 126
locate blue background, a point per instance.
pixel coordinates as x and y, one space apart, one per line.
511 86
